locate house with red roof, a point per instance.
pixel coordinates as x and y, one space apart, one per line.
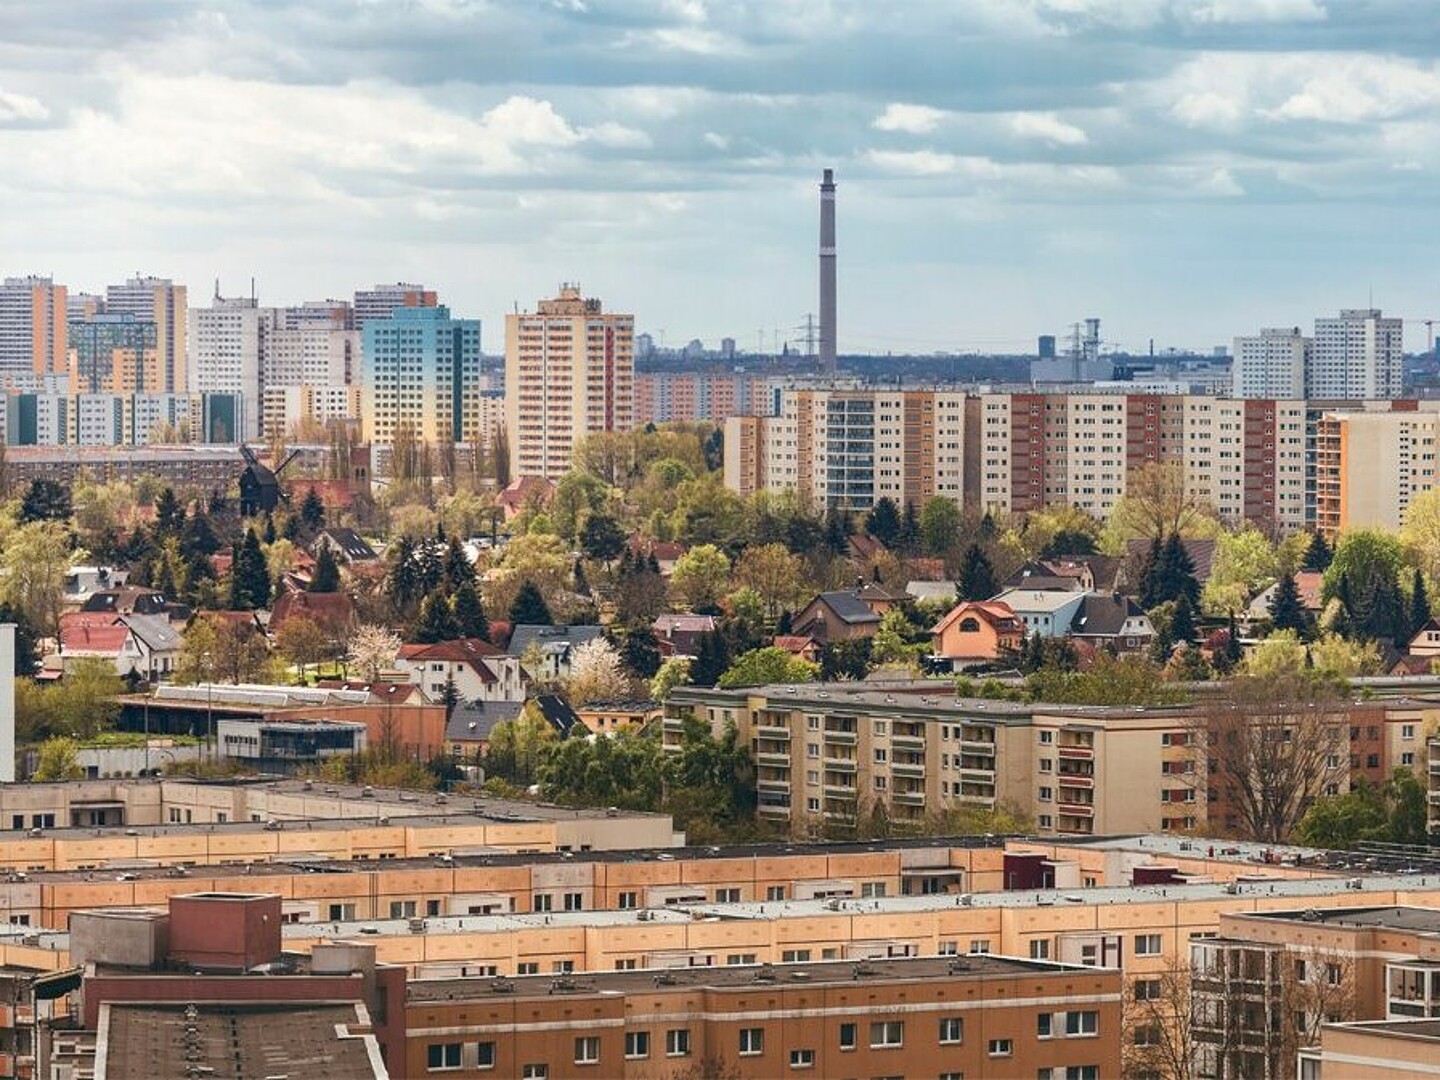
480 671
977 631
332 612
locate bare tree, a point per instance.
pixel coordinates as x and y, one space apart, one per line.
1317 988
1157 1025
1268 750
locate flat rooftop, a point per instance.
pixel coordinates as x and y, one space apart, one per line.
738 977
1428 1030
165 1042
1415 919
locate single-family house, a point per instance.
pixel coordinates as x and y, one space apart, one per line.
478 670
976 631
346 545
555 645
1112 619
679 635
845 614
1047 612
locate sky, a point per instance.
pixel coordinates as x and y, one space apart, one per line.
1186 170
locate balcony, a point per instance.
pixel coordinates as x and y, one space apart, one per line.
908 768
768 784
1078 753
843 765
765 757
1074 780
908 798
770 731
978 746
840 791
841 738
781 810
674 723
1076 809
908 742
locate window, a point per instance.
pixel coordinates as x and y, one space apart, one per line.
629 900
1147 990
752 1041
880 727
872 889
535 1072
1407 759
952 1076
1407 731
440 1056
881 754
979 947
543 902
802 1059
735 959
952 1030
1046 794
1046 821
1046 765
795 956
402 909
677 1042
587 1050
1332 974
847 1036
1082 1023
1082 1072
1044 1025
1147 944
1040 949
562 967
341 912
1047 737
727 896
887 1033
485 1055
637 1044
775 892
574 901
1001 1048
527 967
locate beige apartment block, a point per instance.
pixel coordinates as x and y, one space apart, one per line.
1374 1050
569 372
1370 465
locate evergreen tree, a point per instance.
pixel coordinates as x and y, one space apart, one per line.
977 575
712 659
27 650
602 538
326 578
197 536
312 513
436 620
249 576
470 617
909 537
1286 610
786 622
838 527
1419 604
1318 554
458 569
641 652
169 514
1148 584
450 696
1343 620
1234 651
270 534
1177 573
403 584
529 608
1182 626
883 521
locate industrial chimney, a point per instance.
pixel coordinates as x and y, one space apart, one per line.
827 272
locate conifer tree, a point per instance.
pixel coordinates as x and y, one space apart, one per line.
436 620
249 576
1286 610
326 578
977 575
470 618
529 608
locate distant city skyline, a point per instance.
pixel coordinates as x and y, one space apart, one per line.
1187 170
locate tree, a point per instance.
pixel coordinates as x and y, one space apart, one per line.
249 576
470 618
34 561
1157 1019
1286 610
1268 750
1318 554
674 672
641 651
529 608
1393 812
712 658
602 538
518 747
940 521
372 650
1176 576
1245 563
883 521
596 673
59 759
302 642
898 640
774 573
312 514
1368 563
1128 680
1419 604
700 578
326 578
642 596
769 664
45 500
977 576
1182 623
436 620
1156 503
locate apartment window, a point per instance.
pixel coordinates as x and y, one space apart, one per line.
677 1042
775 892
813 723
528 967
951 1076
574 901
485 1055
587 1050
736 959
1147 944
1046 765
881 755
535 1072
1372 761
752 1041
795 956
947 948
1001 1048
637 1044
1047 737
952 1030
1149 989
1046 821
562 967
629 900
1082 1072
1046 794
543 902
626 963
847 1036
812 750
1407 731
342 912
979 947
727 896
1044 1025
885 1033
402 909
1040 949
439 1056
812 805
1332 974
872 889
880 728
802 1059
1082 1023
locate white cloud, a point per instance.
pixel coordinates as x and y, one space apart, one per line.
524 120
15 106
914 162
1221 182
1257 11
686 39
1048 127
1361 88
911 119
618 136
718 141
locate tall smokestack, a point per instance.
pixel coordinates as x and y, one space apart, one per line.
7 703
827 272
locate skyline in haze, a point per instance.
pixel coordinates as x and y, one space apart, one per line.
1188 170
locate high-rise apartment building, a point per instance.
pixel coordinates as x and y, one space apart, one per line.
115 354
162 302
1370 465
381 301
227 343
32 328
569 372
1357 355
421 372
1272 364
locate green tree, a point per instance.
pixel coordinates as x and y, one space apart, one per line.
1393 812
249 576
529 608
169 514
1245 563
518 747
1419 604
302 642
700 578
1368 563
883 521
85 701
312 514
675 671
775 574
712 658
58 759
436 621
1128 680
326 578
766 665
641 652
977 576
34 561
940 521
602 538
45 500
1318 555
470 618
1286 610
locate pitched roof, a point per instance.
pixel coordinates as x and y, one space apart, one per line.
125 598
995 612
351 544
557 711
932 590
685 624
327 610
848 606
1104 615
399 693
472 651
93 640
473 721
1037 600
154 631
551 637
1201 552
1035 575
520 490
795 643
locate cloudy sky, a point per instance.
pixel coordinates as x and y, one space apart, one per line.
1185 169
